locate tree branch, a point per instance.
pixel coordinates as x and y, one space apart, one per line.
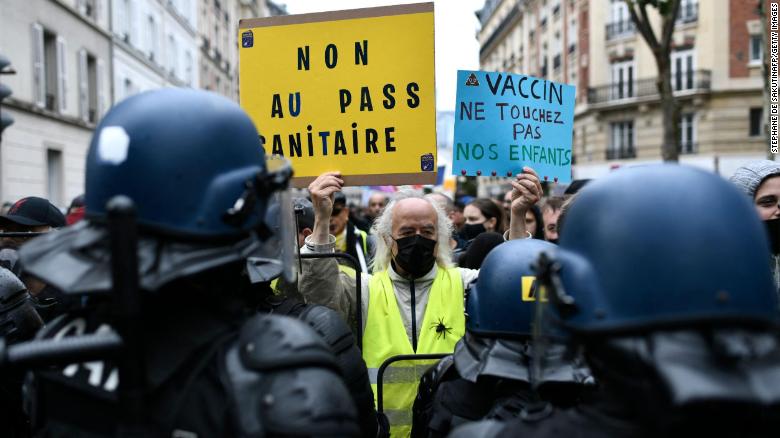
643 25
668 24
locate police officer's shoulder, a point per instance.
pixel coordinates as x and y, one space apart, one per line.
434 376
285 381
443 370
329 325
268 342
10 287
477 429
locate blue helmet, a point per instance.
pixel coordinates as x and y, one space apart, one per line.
194 167
503 300
662 246
183 156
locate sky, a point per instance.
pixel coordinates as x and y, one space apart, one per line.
455 31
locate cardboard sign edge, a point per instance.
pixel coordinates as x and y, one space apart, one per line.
348 14
382 179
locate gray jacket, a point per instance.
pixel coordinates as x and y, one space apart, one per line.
322 283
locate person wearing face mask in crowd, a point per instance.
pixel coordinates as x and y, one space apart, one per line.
482 215
760 180
413 303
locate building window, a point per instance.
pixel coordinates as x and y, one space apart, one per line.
622 85
621 140
620 23
54 176
682 70
89 91
688 134
129 88
49 72
152 35
689 11
173 56
125 20
756 121
756 49
88 8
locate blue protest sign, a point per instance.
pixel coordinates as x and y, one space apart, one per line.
505 121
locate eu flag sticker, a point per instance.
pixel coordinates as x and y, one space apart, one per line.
247 39
426 163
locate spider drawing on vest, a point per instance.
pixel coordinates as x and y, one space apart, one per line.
441 329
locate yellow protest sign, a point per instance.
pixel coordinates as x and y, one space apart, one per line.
351 91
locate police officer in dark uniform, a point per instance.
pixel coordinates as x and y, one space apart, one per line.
661 278
491 375
19 321
192 163
281 297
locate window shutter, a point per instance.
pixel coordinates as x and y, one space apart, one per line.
83 85
62 79
39 85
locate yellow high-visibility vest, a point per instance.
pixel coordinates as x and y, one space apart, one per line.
443 325
345 269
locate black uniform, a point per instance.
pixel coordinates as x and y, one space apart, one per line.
337 334
675 384
489 379
211 371
18 322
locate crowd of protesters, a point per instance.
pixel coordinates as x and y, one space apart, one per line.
644 303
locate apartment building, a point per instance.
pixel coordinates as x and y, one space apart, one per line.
716 75
75 58
155 44
61 52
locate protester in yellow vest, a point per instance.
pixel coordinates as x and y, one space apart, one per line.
413 304
304 219
349 238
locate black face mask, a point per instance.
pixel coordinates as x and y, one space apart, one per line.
470 231
415 255
773 227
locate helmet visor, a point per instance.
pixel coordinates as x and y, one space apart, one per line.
277 255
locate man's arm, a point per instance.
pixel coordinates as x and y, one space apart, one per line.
321 282
526 191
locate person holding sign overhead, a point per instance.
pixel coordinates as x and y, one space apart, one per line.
413 303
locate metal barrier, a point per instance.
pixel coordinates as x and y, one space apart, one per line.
381 372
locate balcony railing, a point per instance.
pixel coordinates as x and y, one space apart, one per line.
698 80
620 28
616 154
689 12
